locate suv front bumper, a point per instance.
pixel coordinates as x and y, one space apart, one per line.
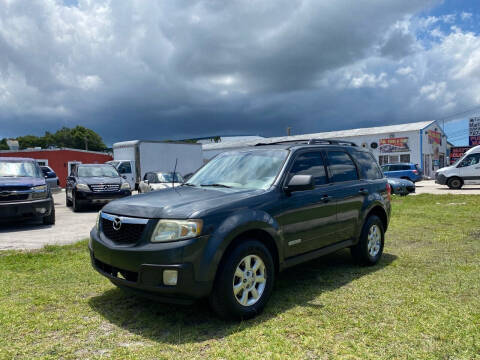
140 268
24 209
85 197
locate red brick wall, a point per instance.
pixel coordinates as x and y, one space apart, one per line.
58 159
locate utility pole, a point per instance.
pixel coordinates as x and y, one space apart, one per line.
289 131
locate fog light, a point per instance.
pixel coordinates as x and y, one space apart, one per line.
170 277
41 210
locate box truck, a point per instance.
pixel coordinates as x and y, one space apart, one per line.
134 158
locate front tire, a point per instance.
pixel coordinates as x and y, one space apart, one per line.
50 219
244 281
76 206
455 183
68 202
369 248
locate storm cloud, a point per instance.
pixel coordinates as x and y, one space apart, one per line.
179 69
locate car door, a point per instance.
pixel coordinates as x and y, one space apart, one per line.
348 190
308 218
469 169
125 170
70 184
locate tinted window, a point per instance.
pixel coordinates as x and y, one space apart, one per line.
368 166
341 166
310 164
395 168
151 177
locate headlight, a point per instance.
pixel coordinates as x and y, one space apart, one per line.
39 192
170 230
83 187
97 224
125 186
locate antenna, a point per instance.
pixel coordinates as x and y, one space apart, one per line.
174 172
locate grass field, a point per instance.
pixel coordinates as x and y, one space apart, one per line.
421 302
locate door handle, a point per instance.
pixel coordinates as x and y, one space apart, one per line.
326 198
363 191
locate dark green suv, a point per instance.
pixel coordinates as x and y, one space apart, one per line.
240 220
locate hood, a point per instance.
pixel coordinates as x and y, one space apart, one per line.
100 180
446 168
163 185
181 202
398 181
21 181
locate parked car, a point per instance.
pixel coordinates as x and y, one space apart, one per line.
466 171
406 171
94 184
242 218
159 180
51 178
24 192
401 187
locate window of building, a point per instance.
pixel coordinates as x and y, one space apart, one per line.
383 159
392 159
341 166
310 163
405 158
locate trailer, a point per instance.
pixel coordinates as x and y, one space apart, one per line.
134 158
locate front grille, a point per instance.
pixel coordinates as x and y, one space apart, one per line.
13 197
104 187
14 188
116 272
127 234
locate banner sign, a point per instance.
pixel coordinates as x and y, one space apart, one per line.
474 131
394 145
456 152
434 137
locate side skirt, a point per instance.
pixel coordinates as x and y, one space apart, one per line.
295 260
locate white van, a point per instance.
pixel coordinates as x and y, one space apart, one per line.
465 171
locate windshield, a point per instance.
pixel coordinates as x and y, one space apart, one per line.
168 177
18 169
113 163
91 171
241 169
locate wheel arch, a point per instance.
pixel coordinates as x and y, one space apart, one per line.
380 212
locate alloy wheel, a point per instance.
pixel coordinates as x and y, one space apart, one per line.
249 280
374 240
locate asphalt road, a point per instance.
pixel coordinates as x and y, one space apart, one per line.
71 227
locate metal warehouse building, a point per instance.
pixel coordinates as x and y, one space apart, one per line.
60 160
422 143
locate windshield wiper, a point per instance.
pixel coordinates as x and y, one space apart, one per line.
216 185
189 184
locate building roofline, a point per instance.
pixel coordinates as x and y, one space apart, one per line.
56 149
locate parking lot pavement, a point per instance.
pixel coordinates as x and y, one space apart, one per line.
429 187
69 227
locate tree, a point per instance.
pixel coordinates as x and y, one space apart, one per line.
77 138
3 144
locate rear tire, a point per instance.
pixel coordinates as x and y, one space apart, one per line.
50 219
455 183
244 281
369 248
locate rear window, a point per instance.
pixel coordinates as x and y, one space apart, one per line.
341 166
368 166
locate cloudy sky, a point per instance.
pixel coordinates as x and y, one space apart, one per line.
183 68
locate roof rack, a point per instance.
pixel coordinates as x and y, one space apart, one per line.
311 142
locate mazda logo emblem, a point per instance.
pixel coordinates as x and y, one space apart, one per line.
117 224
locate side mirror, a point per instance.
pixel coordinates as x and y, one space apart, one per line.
300 183
145 181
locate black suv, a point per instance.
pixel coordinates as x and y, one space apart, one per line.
94 184
242 218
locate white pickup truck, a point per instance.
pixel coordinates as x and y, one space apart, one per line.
466 171
133 159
